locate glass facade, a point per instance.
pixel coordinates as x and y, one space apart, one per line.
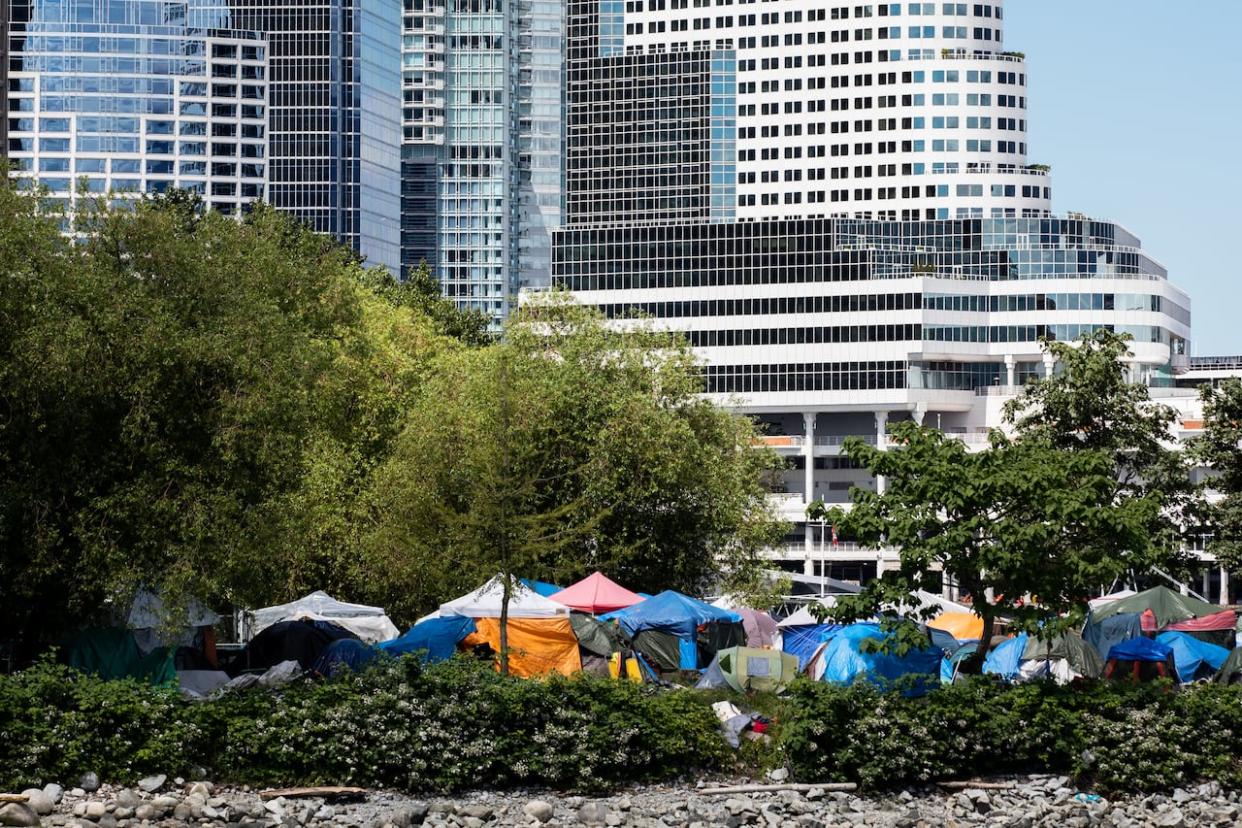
133 96
335 113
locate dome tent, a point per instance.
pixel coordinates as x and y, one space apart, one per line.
749 668
540 637
845 659
677 632
370 624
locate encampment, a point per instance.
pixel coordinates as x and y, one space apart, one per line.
540 637
1159 609
596 594
846 657
435 639
749 668
1194 659
677 632
368 623
1063 658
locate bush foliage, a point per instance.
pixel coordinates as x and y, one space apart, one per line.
403 726
1108 736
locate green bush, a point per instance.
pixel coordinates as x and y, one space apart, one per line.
398 726
1110 737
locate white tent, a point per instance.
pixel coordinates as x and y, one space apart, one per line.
368 623
1104 600
485 602
804 617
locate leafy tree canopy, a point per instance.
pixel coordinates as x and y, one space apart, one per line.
1220 448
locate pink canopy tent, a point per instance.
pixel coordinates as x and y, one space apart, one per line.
759 626
595 594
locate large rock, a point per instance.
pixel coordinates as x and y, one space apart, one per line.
89 782
38 801
54 792
18 814
95 810
593 813
538 809
151 784
128 799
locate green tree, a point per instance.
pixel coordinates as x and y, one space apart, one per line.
420 291
585 447
1029 530
1220 448
187 401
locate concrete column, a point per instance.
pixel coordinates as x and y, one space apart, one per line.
919 412
881 442
1224 587
1010 368
808 452
1049 361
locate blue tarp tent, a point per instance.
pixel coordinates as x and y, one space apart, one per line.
1193 658
1140 649
345 654
803 640
672 612
1103 633
1005 659
845 661
540 587
436 638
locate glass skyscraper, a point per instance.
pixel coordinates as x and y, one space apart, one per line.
129 96
483 106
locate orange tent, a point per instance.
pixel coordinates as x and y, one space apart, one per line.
964 626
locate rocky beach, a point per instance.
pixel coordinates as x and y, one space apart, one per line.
1022 802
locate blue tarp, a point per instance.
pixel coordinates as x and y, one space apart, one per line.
1103 633
844 661
436 637
1140 649
673 613
803 640
1005 658
1192 657
345 654
542 587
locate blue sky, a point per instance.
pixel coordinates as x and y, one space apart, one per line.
1137 105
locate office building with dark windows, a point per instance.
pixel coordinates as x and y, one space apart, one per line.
886 251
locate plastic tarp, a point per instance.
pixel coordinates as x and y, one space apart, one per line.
435 639
844 662
801 617
964 626
595 594
802 641
1231 671
541 587
759 626
1104 633
149 610
345 654
1103 600
111 653
661 649
1081 657
750 668
596 637
1005 659
1166 606
1223 620
1140 649
485 602
674 613
537 646
368 623
1193 658
199 684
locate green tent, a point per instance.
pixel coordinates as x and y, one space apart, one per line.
111 653
750 668
1080 655
1231 671
596 637
1168 606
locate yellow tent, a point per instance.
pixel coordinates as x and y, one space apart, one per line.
964 626
541 638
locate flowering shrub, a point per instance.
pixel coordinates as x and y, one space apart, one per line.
1111 737
400 725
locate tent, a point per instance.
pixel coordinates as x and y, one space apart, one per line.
540 587
759 627
1064 658
434 640
1005 659
1104 633
803 640
1166 607
540 636
964 626
367 623
302 641
845 661
156 625
1194 659
1231 671
1104 600
344 654
1140 659
596 637
677 632
111 653
596 594
749 668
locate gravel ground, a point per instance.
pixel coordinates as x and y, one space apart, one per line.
1025 801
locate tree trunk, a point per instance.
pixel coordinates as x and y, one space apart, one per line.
504 622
